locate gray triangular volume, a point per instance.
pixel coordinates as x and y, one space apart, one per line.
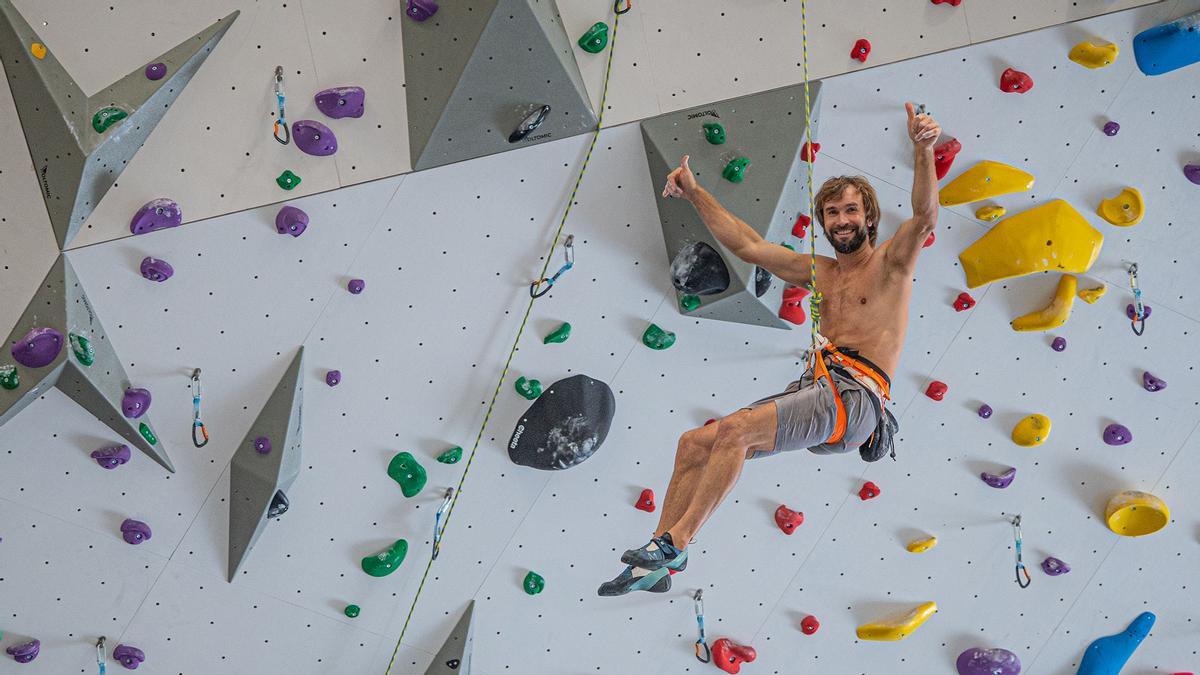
767 129
257 472
475 70
79 145
454 658
60 342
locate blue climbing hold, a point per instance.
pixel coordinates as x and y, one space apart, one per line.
1168 47
1107 655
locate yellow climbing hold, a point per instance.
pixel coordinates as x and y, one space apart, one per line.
897 627
38 50
1031 431
1091 295
921 545
1053 236
1134 514
1053 315
1125 209
991 213
1092 56
985 179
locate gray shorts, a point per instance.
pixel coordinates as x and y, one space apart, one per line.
807 415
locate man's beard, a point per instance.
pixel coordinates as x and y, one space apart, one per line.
850 245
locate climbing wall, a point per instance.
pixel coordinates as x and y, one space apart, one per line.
447 255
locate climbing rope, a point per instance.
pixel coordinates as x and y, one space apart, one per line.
280 122
524 320
1020 567
197 425
814 298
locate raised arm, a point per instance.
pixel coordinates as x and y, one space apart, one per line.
902 253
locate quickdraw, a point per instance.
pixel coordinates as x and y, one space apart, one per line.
569 253
1020 567
701 643
281 121
617 6
197 425
438 525
101 655
1138 323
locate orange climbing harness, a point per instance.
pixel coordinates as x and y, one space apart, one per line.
861 372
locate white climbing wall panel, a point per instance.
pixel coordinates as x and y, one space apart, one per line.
447 255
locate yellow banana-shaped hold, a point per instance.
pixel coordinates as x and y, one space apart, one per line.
1094 56
1125 209
921 545
897 627
1053 315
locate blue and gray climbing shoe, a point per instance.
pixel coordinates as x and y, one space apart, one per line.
657 581
659 552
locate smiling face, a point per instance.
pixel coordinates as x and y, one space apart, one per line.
848 209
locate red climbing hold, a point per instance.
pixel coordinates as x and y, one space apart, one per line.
929 240
646 501
963 302
952 3
800 228
787 519
1015 82
804 151
936 390
943 156
729 656
809 624
869 490
792 309
710 421
861 50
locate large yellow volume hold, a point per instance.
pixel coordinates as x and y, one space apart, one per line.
1053 315
1094 56
1125 209
897 627
984 180
1053 236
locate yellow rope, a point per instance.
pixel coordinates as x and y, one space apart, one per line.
529 308
814 300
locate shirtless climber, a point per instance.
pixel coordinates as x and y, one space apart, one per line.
864 315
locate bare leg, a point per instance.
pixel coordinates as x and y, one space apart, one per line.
690 459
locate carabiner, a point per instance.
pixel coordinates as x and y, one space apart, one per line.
196 423
618 10
1020 566
701 643
101 655
569 254
438 525
281 122
1138 323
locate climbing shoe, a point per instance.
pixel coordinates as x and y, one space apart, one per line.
659 552
657 581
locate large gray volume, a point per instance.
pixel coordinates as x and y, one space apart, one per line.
477 68
454 658
255 477
61 304
75 164
768 129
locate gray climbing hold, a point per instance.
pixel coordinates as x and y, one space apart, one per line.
565 425
454 658
279 505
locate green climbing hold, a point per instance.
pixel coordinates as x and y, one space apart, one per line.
595 39
657 338
714 133
288 180
559 335
450 456
84 351
9 378
534 583
788 247
405 470
147 434
386 561
530 389
106 117
735 170
351 611
689 302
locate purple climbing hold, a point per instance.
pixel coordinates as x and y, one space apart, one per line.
1131 311
156 71
1192 172
1111 128
356 286
26 651
157 214
1152 383
291 220
1001 480
131 657
39 347
1117 434
156 270
979 661
421 9
111 458
135 531
314 138
1054 567
262 445
985 411
135 403
1059 344
339 102
333 378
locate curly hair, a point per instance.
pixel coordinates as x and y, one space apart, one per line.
833 189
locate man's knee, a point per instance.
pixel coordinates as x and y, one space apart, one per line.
695 446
